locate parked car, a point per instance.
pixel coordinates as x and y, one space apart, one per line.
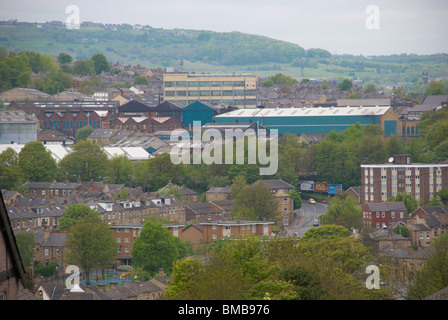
315 223
311 200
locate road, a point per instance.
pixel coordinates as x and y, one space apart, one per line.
304 220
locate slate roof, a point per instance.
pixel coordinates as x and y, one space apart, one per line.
56 239
278 184
201 208
134 106
219 190
386 206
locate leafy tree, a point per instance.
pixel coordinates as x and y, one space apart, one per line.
11 175
83 133
156 248
26 244
120 170
258 199
100 63
370 88
435 88
345 85
433 276
91 244
140 80
443 194
344 211
410 203
441 151
401 230
354 95
64 58
84 68
87 161
329 231
73 214
56 82
37 163
306 284
238 184
296 198
325 86
157 172
171 190
15 72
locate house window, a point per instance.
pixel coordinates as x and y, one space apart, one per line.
214 227
285 201
46 252
392 215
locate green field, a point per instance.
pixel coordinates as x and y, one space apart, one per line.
206 51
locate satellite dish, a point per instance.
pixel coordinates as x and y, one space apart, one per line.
391 159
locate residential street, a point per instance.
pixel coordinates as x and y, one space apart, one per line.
304 220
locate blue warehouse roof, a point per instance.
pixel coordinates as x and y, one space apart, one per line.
307 120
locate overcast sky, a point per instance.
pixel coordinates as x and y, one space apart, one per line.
339 26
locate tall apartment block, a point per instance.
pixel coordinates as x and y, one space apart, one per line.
236 90
382 181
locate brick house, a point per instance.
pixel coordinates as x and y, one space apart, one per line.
53 249
426 224
51 189
204 212
378 215
218 193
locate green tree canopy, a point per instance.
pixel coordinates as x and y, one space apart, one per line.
91 244
83 133
256 199
345 85
433 276
87 161
156 248
11 175
37 163
344 211
100 63
73 214
329 231
64 58
120 170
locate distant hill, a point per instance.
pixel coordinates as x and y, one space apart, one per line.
208 51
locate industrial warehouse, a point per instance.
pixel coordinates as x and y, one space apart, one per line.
315 120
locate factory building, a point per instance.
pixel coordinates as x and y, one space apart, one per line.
315 120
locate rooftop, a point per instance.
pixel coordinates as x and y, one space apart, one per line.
306 112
